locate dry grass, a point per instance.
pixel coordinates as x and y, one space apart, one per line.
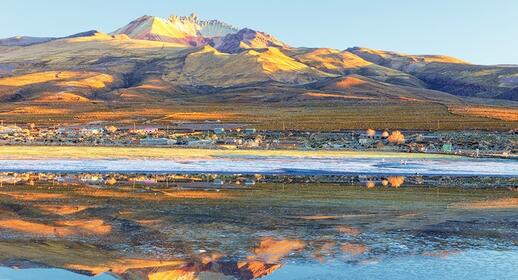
63 79
61 209
200 116
61 228
33 196
501 203
35 228
155 196
499 113
39 77
34 112
340 96
95 226
323 117
90 81
61 97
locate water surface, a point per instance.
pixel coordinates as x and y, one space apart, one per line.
403 165
210 226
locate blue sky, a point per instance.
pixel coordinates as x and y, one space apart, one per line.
480 31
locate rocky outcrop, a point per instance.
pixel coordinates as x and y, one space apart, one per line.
248 39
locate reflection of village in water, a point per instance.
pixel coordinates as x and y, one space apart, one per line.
235 181
204 226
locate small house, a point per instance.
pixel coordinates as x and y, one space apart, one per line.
200 143
249 183
250 131
447 147
365 141
10 130
218 182
219 130
155 142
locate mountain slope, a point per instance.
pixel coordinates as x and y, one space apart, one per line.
403 62
248 39
346 63
450 74
209 67
24 41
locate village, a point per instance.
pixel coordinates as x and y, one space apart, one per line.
217 135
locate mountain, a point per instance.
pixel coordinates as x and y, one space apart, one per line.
450 74
160 63
189 30
346 63
402 61
24 41
209 67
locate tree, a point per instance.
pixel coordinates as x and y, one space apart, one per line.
396 137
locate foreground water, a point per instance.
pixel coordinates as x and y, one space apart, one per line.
402 165
210 226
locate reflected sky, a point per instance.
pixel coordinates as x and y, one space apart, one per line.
473 264
24 274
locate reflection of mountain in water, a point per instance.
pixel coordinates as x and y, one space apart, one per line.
154 226
162 270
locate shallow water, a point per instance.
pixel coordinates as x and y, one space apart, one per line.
276 165
169 226
475 264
